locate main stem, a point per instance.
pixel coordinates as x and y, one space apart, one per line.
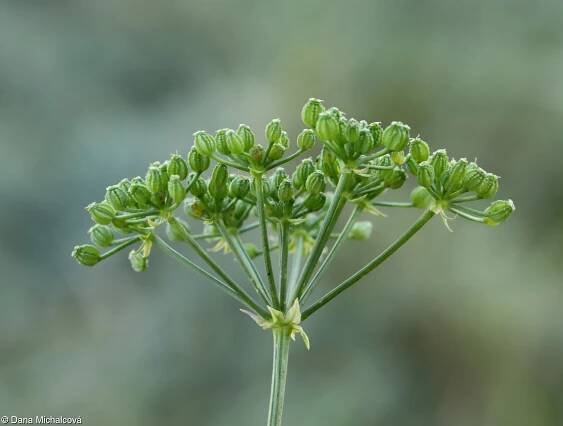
279 374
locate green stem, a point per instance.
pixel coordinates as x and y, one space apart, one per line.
367 189
285 160
392 204
279 375
398 243
120 247
327 225
466 215
242 256
260 201
351 220
465 199
138 214
469 210
296 261
367 158
232 164
240 296
284 253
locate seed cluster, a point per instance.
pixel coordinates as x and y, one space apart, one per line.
233 184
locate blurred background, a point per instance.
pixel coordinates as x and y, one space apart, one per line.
462 328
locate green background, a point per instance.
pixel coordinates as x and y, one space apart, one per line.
462 328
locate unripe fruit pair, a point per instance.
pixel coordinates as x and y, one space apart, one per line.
198 162
177 166
311 111
102 213
117 197
302 172
306 140
239 187
87 255
396 136
101 235
176 190
498 212
204 143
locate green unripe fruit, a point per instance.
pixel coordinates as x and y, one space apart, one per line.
384 161
285 191
284 139
176 190
276 151
125 184
315 202
306 139
421 198
101 235
352 131
396 179
302 172
335 112
102 213
315 183
396 136
164 173
240 211
177 229
273 130
488 187
199 188
474 177
198 163
361 231
221 141
419 150
278 177
247 136
87 255
439 160
256 154
138 262
376 132
204 143
218 182
329 164
234 142
365 141
311 111
117 197
455 178
327 127
154 180
411 165
498 212
177 166
239 187
425 175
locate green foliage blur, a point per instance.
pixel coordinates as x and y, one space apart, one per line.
462 328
